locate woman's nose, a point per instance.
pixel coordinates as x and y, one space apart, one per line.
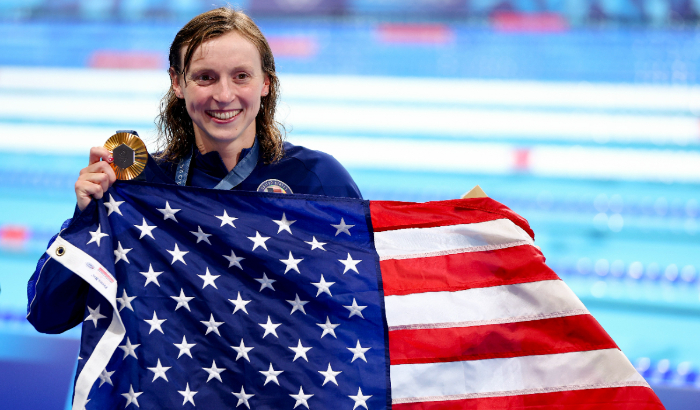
224 92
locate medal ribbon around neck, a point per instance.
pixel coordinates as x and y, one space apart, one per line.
237 175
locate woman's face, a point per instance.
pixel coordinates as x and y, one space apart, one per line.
222 91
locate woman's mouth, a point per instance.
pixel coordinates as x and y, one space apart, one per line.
223 115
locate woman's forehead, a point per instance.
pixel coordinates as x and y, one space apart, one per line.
227 49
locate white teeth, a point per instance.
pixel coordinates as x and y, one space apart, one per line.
223 115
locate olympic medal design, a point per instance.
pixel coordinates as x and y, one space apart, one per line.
130 155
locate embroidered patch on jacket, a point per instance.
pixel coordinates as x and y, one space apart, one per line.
276 186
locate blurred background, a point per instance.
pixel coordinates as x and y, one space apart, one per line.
581 115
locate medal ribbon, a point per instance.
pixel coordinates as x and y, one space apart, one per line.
238 174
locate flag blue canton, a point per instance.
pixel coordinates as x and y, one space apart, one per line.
235 300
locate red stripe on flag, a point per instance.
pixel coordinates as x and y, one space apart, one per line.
617 398
391 215
460 271
548 336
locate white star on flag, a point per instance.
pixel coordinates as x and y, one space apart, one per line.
113 206
328 327
184 347
96 236
146 229
300 351
187 394
239 303
106 377
355 309
316 244
155 323
329 375
271 375
270 328
125 301
94 315
151 276
265 282
168 212
159 371
297 304
323 286
342 227
291 263
214 372
234 260
182 300
212 325
227 220
358 352
201 236
120 253
209 279
350 264
243 397
284 224
258 240
131 396
301 398
360 400
178 255
129 349
242 351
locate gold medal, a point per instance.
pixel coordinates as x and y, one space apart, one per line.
130 155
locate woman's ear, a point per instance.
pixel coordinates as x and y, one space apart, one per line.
175 82
266 86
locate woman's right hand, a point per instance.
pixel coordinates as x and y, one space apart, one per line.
96 178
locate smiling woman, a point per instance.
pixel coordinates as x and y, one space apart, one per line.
217 130
217 58
217 121
222 91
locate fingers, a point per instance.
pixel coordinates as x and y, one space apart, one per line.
85 191
100 167
95 179
97 153
104 181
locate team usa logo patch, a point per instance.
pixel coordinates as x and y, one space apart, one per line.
276 186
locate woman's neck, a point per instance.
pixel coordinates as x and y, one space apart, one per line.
230 152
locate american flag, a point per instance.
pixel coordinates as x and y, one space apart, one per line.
265 301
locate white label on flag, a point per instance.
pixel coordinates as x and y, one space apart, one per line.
101 280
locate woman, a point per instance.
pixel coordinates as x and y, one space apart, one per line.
217 130
219 109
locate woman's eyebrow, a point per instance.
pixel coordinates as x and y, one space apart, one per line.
239 67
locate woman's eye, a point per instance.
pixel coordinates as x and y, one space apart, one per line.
203 78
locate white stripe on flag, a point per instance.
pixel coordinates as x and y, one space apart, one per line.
497 304
443 240
512 376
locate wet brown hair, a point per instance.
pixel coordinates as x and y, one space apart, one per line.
176 131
